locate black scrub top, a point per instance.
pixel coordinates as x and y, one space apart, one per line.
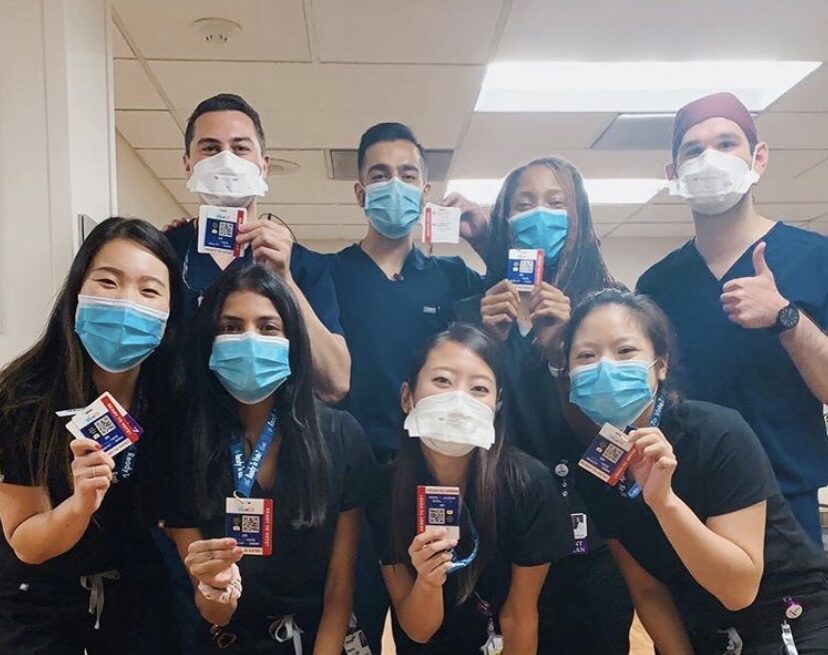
532 529
291 581
749 370
721 469
310 270
387 322
118 536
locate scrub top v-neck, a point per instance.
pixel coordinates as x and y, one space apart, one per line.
749 370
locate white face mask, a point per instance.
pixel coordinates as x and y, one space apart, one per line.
452 423
714 182
227 180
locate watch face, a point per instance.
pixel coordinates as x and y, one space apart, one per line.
788 317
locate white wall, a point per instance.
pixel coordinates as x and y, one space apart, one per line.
140 194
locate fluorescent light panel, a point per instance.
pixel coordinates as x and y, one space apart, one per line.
633 86
601 191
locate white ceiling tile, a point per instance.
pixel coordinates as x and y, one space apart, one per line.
820 226
658 30
792 211
133 89
120 48
612 213
794 130
165 163
653 230
503 141
427 31
330 105
148 129
271 30
811 94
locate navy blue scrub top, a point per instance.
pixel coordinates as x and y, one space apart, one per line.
749 370
387 322
310 271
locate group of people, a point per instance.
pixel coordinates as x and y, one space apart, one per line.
327 390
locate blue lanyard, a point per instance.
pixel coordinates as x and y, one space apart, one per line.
634 490
457 564
244 473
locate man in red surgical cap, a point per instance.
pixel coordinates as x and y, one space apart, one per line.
748 298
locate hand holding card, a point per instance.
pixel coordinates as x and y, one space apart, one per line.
91 474
107 423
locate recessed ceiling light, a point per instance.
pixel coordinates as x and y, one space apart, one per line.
632 86
601 191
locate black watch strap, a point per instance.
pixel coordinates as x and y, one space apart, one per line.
786 319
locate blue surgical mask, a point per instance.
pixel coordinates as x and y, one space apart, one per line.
541 228
393 207
118 334
612 392
250 366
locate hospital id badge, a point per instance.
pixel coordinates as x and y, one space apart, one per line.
250 522
580 533
108 423
218 228
494 643
608 456
525 268
356 643
441 224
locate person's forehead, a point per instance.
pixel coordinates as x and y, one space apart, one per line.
394 153
224 124
711 128
535 177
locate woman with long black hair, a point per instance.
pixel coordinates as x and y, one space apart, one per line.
79 571
262 440
542 205
453 596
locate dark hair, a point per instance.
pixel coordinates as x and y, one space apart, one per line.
491 474
651 318
56 373
223 102
388 132
302 483
581 268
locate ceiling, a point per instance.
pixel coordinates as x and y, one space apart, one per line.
321 71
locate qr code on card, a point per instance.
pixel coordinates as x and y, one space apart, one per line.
250 523
613 453
225 230
436 516
104 426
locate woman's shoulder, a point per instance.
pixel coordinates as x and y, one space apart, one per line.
706 420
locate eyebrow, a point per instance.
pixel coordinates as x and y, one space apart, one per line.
269 317
119 273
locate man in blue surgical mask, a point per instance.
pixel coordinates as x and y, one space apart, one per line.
393 299
748 298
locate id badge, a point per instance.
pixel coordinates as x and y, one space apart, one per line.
250 522
608 456
218 228
108 423
525 268
357 644
493 645
580 532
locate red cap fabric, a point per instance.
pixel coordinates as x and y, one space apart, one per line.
717 105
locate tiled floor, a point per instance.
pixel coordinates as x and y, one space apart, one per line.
640 643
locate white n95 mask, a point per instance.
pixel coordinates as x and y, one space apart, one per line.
227 180
714 182
452 423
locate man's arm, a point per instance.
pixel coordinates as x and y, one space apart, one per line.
808 347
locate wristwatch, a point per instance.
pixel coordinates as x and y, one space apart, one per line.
786 319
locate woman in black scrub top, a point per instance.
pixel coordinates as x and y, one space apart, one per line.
512 521
79 572
259 433
585 607
713 556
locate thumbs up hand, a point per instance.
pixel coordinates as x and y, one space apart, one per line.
754 302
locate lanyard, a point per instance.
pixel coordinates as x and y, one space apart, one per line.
634 490
457 564
244 473
126 459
